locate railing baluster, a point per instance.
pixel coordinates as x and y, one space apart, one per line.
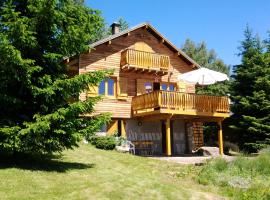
145 59
180 101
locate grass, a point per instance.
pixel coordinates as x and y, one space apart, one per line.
89 173
244 178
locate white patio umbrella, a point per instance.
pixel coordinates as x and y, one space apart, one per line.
203 76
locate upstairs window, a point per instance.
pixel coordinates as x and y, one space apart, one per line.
107 87
171 87
101 88
148 87
111 87
164 86
167 87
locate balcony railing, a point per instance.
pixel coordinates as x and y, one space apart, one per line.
145 60
180 103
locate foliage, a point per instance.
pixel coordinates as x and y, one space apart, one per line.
250 94
243 178
121 141
103 142
208 59
37 115
123 26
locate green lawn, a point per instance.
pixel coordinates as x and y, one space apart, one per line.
89 173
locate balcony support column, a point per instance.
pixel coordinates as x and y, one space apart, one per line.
123 130
168 137
220 137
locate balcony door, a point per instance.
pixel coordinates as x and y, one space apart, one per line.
156 86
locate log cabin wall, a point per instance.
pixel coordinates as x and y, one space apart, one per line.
108 56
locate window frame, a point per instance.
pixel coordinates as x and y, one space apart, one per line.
106 88
168 84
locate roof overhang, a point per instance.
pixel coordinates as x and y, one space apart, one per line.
155 33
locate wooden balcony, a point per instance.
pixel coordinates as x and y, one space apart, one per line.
145 62
177 103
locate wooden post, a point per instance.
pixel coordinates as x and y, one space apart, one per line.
168 137
159 98
123 130
220 137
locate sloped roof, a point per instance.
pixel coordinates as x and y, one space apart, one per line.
155 33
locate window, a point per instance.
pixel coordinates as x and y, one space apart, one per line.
171 87
167 87
101 88
107 87
163 86
148 87
111 83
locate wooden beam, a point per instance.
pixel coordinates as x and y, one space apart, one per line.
127 34
154 117
168 137
177 53
162 40
220 137
109 42
112 127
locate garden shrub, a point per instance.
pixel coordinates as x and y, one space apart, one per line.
103 142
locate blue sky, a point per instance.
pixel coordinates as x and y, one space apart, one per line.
219 23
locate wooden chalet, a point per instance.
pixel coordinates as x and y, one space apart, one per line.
149 106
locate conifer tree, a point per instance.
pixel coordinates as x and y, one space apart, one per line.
36 115
251 94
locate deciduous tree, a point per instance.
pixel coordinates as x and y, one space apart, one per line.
207 58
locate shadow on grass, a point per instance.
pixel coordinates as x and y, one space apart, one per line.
41 164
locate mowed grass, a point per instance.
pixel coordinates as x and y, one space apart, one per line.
89 173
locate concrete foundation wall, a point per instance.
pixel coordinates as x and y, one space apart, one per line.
145 131
151 131
179 137
190 137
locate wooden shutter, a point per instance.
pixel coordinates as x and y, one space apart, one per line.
92 90
140 86
122 85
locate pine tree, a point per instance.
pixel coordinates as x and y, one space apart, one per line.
123 24
36 115
251 94
107 30
208 59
